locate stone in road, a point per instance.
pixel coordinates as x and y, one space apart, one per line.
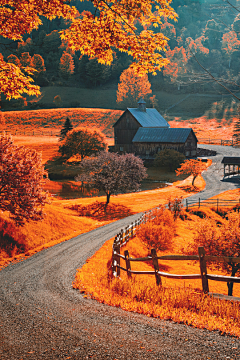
43 317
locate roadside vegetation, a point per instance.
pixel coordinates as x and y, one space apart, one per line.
81 215
179 300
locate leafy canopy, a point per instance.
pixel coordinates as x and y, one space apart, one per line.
192 167
21 179
219 240
132 87
113 25
113 173
169 158
82 142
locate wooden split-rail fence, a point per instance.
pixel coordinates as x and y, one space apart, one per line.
212 203
126 234
230 142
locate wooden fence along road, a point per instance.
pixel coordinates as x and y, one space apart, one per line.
125 235
213 203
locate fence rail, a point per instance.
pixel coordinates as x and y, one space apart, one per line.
229 142
126 234
35 132
217 203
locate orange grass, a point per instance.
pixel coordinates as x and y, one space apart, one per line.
52 230
179 300
53 119
207 128
140 294
18 242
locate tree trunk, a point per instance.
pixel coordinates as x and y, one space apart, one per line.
230 284
194 177
108 199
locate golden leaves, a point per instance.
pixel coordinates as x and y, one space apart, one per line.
13 82
115 26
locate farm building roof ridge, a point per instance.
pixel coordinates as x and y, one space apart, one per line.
165 135
149 118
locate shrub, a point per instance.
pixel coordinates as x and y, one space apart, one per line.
158 231
169 158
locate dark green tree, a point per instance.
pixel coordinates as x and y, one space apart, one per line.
66 128
169 158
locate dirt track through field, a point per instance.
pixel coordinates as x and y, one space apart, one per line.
42 317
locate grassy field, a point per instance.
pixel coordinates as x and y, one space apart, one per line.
169 104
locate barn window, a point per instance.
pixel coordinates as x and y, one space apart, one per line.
121 148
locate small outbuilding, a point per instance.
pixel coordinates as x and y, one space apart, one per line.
231 165
145 132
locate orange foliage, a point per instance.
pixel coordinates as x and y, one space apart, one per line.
16 19
116 27
158 231
132 87
178 59
193 167
140 294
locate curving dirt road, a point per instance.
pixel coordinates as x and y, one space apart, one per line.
42 317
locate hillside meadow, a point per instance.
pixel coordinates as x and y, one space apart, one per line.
49 122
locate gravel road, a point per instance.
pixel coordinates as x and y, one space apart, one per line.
215 184
42 317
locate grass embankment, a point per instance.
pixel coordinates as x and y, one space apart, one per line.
179 300
48 121
34 236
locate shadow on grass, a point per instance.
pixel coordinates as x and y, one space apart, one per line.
100 211
188 188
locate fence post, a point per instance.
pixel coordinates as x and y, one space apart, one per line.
203 268
128 265
156 266
117 249
186 204
121 236
199 202
114 260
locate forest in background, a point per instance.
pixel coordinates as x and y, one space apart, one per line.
209 29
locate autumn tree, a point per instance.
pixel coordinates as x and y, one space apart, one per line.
169 158
66 128
192 167
25 59
57 100
158 230
112 25
132 87
21 179
82 142
113 173
66 65
219 240
13 59
37 63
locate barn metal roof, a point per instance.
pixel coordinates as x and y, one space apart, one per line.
149 118
163 135
231 160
